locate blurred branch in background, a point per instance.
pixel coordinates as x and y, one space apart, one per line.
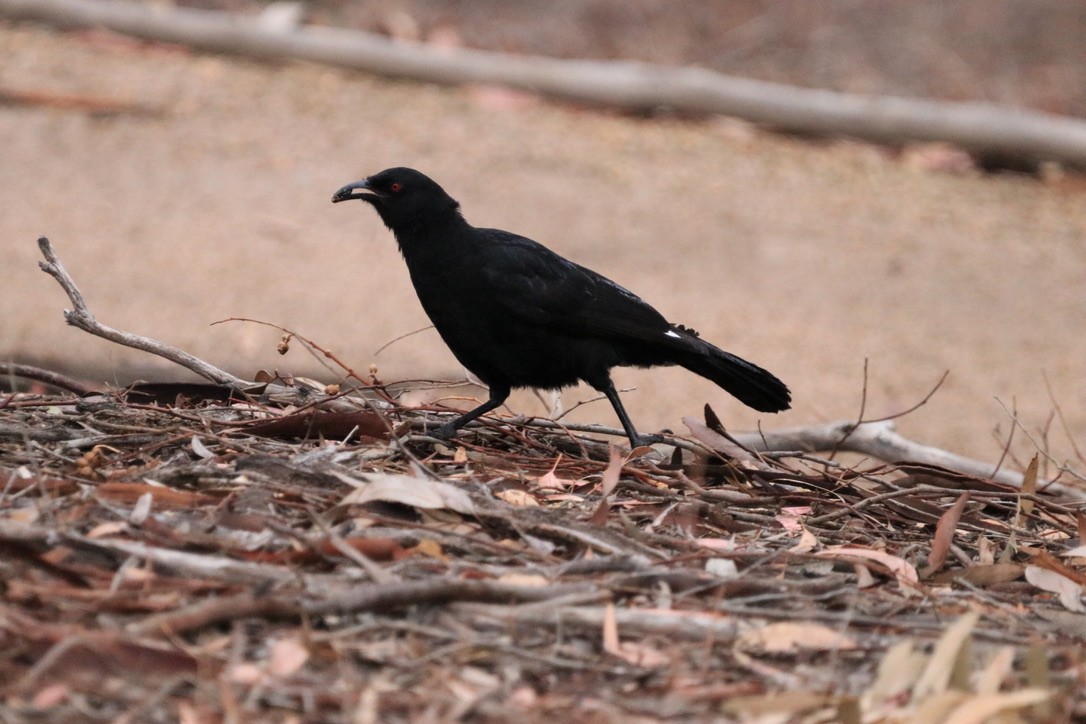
983 129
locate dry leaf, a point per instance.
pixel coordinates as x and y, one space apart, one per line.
607 485
430 547
982 708
1070 593
550 481
50 695
425 494
998 669
788 637
610 630
790 523
783 706
612 472
983 576
1044 559
807 542
897 673
516 497
525 580
523 697
200 449
286 657
105 529
944 534
244 673
724 568
936 708
141 509
902 569
1029 486
864 577
985 551
936 676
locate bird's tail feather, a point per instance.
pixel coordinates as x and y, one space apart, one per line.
749 383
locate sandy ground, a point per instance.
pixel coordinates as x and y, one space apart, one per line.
806 258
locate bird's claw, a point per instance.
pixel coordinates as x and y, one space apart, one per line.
647 440
445 432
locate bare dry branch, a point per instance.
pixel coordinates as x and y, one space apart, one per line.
633 86
881 441
82 318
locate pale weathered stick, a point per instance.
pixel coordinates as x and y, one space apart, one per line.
979 127
82 318
881 441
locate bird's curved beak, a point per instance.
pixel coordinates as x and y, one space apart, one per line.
355 191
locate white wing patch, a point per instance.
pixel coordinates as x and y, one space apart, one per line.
672 333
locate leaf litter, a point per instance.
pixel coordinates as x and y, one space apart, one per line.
191 560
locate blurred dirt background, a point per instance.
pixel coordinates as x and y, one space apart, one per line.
807 257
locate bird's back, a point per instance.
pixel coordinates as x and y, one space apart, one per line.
512 310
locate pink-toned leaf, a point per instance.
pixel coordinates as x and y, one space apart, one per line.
904 571
807 542
286 657
790 523
789 636
944 534
610 479
550 481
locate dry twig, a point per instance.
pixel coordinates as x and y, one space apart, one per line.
627 85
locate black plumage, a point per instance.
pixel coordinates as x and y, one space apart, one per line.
518 315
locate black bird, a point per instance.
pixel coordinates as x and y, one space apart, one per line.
518 315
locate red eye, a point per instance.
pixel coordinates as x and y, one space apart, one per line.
395 186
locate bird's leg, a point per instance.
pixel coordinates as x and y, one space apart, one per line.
636 440
498 395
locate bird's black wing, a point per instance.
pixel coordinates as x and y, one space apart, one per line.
534 285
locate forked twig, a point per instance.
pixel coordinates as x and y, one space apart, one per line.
82 318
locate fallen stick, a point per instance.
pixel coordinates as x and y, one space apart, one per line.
364 597
82 318
633 86
881 441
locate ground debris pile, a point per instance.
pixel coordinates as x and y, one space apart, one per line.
194 561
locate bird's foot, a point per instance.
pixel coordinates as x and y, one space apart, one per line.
646 440
445 432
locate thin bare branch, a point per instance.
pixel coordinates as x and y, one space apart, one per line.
632 86
82 318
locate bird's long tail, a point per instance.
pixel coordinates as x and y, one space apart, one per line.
749 383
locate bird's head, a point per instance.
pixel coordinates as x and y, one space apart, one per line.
402 196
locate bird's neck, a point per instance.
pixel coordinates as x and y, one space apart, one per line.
431 236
